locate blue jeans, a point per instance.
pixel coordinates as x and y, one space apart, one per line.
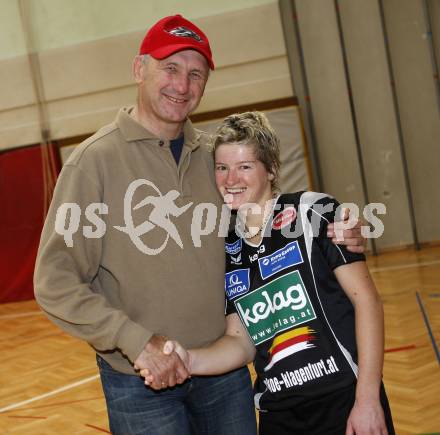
203 405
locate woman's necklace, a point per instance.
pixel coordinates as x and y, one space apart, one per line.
243 230
251 234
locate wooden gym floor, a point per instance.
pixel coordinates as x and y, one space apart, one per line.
49 382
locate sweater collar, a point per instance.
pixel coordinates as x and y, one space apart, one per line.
133 131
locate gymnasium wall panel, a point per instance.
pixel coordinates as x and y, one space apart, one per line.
19 126
329 101
419 110
16 87
434 10
12 41
373 94
375 117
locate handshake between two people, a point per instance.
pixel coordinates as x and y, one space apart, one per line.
163 363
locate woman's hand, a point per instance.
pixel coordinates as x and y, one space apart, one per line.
169 347
366 418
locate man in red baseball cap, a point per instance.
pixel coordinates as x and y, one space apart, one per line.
171 71
123 300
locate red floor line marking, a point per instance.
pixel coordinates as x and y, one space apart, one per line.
400 349
97 428
27 416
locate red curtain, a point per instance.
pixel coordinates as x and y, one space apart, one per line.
27 176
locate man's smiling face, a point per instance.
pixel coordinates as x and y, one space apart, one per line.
172 87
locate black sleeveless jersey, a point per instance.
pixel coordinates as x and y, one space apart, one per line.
287 297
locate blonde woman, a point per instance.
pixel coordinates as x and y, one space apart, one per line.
304 310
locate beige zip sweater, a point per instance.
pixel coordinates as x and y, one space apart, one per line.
105 290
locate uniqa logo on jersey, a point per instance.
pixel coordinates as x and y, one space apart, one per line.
275 307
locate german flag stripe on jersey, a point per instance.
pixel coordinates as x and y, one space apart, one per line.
289 343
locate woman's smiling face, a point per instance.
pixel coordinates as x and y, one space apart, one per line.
240 177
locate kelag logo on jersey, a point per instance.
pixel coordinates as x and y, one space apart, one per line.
275 307
288 256
236 283
233 248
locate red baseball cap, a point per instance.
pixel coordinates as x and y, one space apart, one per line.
172 34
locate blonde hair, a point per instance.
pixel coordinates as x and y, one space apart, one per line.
253 129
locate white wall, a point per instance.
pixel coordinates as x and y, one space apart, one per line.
84 83
58 23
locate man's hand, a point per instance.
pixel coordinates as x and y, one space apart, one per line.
169 347
166 370
347 232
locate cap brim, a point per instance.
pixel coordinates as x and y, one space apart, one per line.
163 52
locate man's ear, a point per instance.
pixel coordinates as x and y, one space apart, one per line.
138 69
271 176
